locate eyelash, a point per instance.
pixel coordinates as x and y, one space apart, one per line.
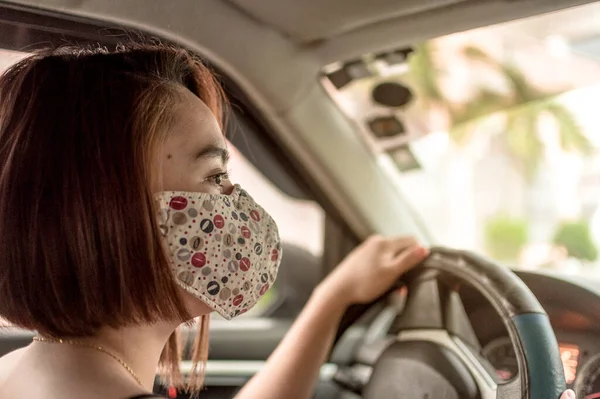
218 179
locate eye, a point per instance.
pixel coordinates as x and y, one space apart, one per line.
218 179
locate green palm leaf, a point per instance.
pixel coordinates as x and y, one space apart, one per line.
522 108
572 137
424 75
466 116
522 140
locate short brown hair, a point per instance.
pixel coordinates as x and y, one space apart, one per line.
79 244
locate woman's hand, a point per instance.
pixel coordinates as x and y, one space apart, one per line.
568 394
371 269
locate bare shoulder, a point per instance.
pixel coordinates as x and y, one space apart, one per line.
8 361
26 373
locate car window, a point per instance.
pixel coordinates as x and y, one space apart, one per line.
8 58
300 222
491 134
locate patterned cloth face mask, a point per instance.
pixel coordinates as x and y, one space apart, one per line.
225 249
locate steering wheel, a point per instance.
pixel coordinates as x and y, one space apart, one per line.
432 352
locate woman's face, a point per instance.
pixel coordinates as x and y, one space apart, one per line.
194 155
193 158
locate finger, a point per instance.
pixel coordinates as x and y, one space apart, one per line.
409 258
398 244
568 394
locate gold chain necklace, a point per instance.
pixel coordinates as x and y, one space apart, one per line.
90 346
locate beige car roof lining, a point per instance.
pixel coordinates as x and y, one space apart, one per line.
276 61
314 20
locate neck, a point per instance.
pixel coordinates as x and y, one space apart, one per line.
138 346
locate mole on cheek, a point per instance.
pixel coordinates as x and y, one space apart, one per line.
169 156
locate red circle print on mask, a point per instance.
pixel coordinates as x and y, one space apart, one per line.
237 301
198 260
178 203
255 215
264 289
274 255
219 221
245 232
245 264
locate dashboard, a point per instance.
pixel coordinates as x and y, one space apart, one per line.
581 370
573 306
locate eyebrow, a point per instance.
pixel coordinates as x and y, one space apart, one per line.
213 152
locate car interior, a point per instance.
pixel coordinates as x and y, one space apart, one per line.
316 127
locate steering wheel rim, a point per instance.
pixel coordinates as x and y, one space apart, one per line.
540 375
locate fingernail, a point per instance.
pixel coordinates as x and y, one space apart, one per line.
569 394
423 252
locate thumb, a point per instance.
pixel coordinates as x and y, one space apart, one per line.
409 258
568 394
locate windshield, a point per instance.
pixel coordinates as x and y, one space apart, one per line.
496 145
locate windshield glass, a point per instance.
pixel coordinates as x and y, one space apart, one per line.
496 144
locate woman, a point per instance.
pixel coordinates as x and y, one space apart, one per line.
118 223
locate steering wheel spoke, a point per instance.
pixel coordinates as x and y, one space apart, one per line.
423 309
356 378
435 304
456 321
479 371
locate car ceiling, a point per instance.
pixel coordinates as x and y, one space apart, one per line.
313 20
323 30
342 29
275 50
306 35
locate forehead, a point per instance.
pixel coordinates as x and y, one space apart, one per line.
193 126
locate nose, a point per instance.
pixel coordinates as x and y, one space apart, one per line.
228 188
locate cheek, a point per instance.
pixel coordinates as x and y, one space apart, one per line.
176 176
